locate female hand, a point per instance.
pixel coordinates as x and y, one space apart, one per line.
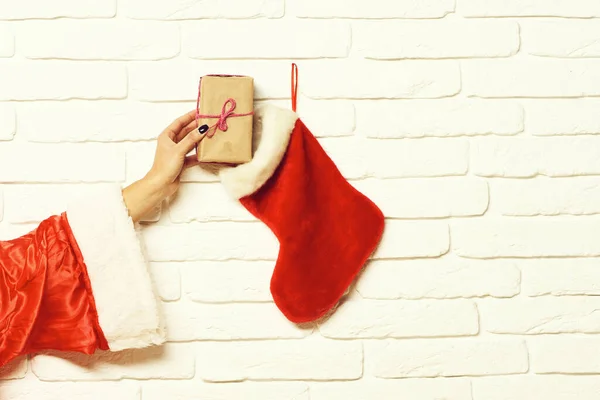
170 160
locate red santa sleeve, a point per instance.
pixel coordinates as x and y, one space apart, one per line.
78 282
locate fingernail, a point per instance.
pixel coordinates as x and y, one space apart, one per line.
203 129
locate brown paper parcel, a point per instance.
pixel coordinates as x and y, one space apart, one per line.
233 146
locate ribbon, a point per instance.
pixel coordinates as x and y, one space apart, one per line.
294 86
221 124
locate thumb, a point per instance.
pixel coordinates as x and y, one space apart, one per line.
190 141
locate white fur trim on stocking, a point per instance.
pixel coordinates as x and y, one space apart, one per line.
128 308
270 138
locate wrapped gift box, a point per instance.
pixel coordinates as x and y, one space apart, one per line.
225 105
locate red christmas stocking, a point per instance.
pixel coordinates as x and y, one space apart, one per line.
326 228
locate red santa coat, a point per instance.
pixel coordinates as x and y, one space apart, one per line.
78 282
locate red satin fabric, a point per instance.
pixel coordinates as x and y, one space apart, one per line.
46 302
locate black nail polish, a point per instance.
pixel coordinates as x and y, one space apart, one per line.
203 129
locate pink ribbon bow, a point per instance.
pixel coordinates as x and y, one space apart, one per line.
222 122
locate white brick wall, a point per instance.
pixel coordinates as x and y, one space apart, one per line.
7 121
533 77
555 387
302 39
7 42
35 9
99 40
429 358
61 80
473 124
374 9
436 39
191 10
309 359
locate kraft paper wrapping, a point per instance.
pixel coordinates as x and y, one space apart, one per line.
233 146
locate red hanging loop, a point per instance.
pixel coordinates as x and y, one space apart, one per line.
294 86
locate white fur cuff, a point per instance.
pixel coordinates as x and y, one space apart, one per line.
270 138
123 290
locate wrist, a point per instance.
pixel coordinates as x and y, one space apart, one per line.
155 181
142 196
153 186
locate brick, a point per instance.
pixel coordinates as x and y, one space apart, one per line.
436 39
15 369
377 9
563 117
308 359
24 202
414 389
171 361
542 315
139 159
348 154
527 387
224 391
429 358
432 157
7 122
427 198
443 278
100 121
565 354
413 79
198 174
39 9
274 39
99 40
61 80
493 238
401 319
9 232
531 77
230 281
7 41
185 10
439 118
210 241
94 163
561 277
528 157
271 77
31 389
528 8
194 321
318 117
547 196
167 280
326 118
206 202
579 38
403 239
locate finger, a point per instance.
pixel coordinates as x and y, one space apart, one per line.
190 141
184 132
190 161
181 122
